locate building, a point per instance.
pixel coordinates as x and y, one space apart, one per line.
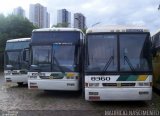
39 16
48 19
64 17
79 21
19 11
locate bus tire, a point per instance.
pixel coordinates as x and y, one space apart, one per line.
20 84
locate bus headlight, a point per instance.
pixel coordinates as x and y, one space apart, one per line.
93 84
33 77
7 73
144 84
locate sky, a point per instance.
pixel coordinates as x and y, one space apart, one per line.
138 12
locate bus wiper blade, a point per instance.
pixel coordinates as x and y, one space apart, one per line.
108 63
129 63
57 63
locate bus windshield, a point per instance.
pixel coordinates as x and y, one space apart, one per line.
129 52
63 57
13 58
102 53
135 52
42 57
54 58
17 45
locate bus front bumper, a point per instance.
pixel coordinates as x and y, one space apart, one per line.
46 84
118 94
16 78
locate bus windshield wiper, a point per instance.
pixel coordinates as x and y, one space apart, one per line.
129 63
108 63
58 65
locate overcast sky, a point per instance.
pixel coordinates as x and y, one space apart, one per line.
142 12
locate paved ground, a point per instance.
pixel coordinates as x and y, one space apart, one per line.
21 101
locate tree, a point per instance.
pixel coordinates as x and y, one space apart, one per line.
84 30
12 27
61 25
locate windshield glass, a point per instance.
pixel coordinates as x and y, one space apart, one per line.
17 45
102 53
42 57
13 58
63 57
135 52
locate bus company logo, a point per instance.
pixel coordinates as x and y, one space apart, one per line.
100 78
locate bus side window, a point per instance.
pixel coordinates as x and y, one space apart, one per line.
26 55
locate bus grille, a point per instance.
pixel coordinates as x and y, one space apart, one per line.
23 72
15 73
118 84
109 84
128 84
44 77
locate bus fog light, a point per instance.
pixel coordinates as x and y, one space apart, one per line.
93 84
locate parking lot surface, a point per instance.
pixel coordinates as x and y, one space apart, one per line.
21 101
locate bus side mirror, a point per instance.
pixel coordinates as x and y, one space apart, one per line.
26 55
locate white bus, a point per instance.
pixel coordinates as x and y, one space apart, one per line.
118 63
16 61
56 59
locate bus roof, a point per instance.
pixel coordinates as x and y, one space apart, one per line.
117 28
56 29
19 39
